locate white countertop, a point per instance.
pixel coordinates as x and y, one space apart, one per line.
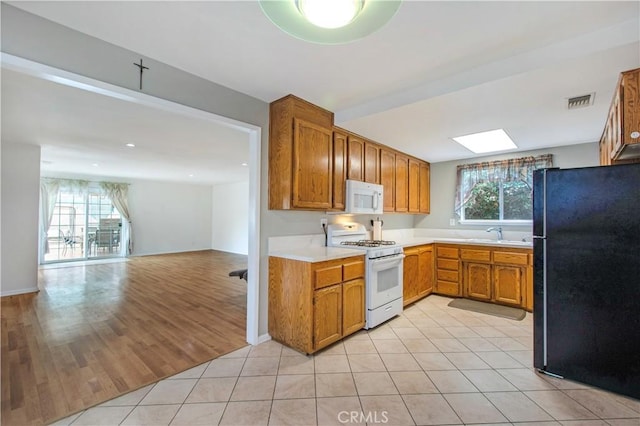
316 254
416 241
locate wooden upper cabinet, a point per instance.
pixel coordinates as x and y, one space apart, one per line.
312 166
299 133
339 169
371 162
620 141
388 178
402 183
355 155
414 186
425 188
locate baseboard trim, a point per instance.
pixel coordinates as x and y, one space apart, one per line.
17 292
263 338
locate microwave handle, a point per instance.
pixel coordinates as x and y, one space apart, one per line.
376 200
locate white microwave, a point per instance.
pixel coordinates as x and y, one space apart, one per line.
363 198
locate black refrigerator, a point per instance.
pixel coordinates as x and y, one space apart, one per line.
586 228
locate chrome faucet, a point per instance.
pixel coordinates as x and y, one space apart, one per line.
498 230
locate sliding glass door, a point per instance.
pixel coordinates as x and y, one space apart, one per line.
83 226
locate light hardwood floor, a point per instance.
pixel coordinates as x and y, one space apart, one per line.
95 332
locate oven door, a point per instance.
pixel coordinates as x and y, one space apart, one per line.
384 280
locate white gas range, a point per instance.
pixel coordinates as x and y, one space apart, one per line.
383 271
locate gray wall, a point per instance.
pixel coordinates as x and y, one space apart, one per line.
443 181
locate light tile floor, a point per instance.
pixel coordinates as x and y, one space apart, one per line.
432 365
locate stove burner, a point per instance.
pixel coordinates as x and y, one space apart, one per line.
369 243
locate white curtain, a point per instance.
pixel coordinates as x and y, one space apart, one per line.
118 194
49 189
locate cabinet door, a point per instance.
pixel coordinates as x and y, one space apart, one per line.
425 188
339 169
425 268
353 315
388 179
411 275
371 163
508 282
414 186
327 316
402 183
476 280
355 154
312 166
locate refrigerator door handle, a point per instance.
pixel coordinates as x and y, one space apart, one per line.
539 237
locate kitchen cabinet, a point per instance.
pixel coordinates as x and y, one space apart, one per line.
300 155
371 162
499 275
447 270
417 273
414 186
314 304
339 168
388 178
620 140
509 277
425 187
355 155
476 273
310 159
402 183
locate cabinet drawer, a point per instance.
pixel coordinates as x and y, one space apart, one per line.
448 252
448 264
447 275
447 288
353 270
328 275
479 255
510 258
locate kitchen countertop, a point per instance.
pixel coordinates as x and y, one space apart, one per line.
416 241
320 254
317 254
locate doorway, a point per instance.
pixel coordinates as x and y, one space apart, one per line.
252 132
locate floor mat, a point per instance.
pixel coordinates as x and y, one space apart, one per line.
489 309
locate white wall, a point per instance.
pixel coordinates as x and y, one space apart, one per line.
443 181
230 217
169 217
20 207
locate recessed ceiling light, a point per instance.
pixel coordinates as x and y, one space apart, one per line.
483 142
131 145
191 175
244 164
95 164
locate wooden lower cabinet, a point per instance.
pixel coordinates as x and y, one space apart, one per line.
417 273
314 304
447 270
477 280
499 275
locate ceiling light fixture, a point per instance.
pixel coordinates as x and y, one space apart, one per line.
131 145
330 13
329 21
244 164
484 142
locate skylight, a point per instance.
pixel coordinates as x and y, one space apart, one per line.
483 142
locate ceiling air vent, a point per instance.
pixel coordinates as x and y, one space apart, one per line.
580 101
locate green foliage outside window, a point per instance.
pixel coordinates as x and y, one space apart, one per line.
486 202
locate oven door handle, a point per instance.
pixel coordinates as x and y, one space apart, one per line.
386 262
